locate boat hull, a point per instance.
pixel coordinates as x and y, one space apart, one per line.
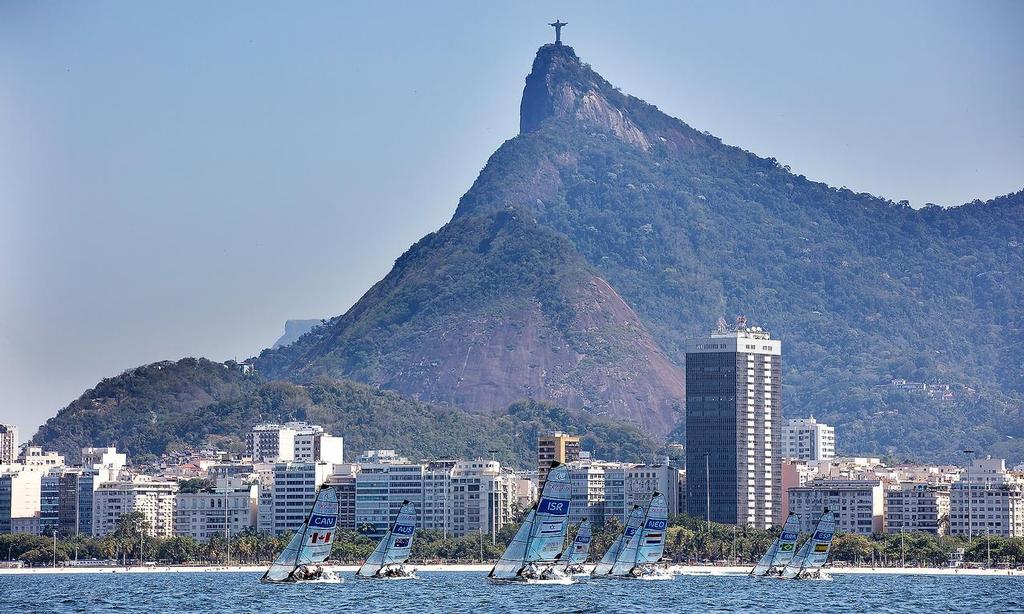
521 580
411 576
328 577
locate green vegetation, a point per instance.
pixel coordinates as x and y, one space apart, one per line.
135 410
367 417
687 541
860 289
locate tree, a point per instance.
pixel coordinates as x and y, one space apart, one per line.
44 556
196 485
129 534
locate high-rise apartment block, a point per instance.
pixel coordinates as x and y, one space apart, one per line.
294 441
988 500
8 444
859 505
287 493
911 506
228 510
733 426
807 439
555 447
154 498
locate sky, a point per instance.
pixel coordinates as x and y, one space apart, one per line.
179 178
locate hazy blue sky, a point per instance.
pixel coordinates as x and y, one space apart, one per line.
179 178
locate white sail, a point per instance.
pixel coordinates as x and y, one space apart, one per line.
626 558
552 518
651 543
512 560
312 541
579 549
782 549
787 541
821 542
396 546
797 562
608 560
540 538
765 562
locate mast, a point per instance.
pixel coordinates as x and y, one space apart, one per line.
305 528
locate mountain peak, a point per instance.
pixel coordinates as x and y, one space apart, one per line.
561 86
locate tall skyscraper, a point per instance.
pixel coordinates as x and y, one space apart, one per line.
733 426
8 444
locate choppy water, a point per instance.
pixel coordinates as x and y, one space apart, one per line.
469 592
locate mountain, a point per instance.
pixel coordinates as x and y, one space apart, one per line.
682 229
293 329
133 410
491 309
599 239
168 406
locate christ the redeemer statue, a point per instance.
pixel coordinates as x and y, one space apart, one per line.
558 30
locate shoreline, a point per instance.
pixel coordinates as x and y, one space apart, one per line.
684 570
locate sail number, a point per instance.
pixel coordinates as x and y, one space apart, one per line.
557 508
404 529
317 520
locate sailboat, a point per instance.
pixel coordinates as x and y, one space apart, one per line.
572 558
387 561
638 557
301 559
530 557
809 560
781 551
633 522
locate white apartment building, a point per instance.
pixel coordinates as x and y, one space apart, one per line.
8 444
859 505
154 498
526 488
233 505
287 493
35 457
19 499
917 506
603 489
103 458
435 512
643 480
294 441
987 500
381 488
807 439
587 493
483 496
315 445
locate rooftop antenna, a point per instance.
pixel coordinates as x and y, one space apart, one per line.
723 326
741 322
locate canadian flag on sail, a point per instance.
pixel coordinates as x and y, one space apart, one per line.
317 537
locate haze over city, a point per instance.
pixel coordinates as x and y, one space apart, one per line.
179 183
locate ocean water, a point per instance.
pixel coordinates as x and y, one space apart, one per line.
469 592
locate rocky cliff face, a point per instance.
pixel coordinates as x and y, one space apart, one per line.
293 329
489 310
561 87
